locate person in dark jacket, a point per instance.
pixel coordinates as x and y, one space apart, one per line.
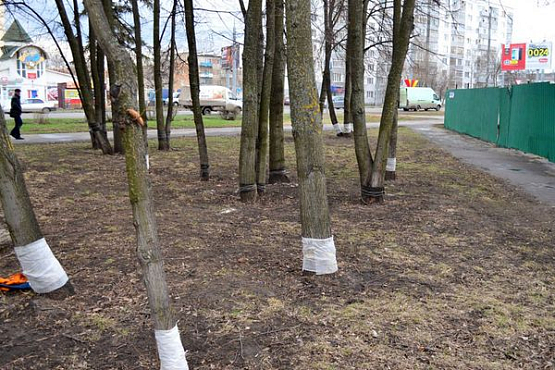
15 112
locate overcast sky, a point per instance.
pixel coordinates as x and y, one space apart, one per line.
214 30
532 22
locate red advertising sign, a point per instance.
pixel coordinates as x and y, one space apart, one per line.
513 57
31 76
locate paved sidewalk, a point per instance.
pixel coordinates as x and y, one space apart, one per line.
533 174
187 132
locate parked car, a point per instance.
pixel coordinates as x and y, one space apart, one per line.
339 102
38 105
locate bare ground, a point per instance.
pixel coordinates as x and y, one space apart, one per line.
454 271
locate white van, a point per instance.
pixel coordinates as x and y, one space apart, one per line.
417 98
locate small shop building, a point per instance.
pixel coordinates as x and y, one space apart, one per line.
23 65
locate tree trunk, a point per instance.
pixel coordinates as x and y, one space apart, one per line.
277 151
163 143
39 265
262 157
101 67
347 116
148 246
97 74
118 135
139 58
249 125
94 77
391 166
402 28
329 5
355 55
318 247
194 81
83 77
169 117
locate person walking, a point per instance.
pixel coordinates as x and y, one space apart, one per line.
15 112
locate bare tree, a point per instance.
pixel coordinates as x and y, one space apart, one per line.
194 81
249 126
372 170
277 152
163 141
173 46
262 142
318 245
124 99
82 72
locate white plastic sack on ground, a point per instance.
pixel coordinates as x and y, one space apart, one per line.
39 265
319 256
391 164
170 350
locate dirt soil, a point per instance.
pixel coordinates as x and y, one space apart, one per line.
454 271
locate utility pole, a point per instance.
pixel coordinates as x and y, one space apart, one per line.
489 47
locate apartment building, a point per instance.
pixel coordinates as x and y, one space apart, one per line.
458 44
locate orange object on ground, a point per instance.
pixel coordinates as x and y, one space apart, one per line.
15 281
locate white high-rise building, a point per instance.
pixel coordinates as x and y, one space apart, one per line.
453 42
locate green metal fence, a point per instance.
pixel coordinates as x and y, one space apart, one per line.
520 117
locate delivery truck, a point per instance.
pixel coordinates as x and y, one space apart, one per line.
417 98
213 99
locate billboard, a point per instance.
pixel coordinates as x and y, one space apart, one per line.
229 55
513 57
532 56
538 55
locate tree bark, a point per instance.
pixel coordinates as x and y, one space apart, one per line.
390 168
97 72
262 147
169 116
277 152
307 123
355 55
194 81
402 30
139 58
329 6
85 92
249 125
18 211
149 252
118 135
96 83
163 143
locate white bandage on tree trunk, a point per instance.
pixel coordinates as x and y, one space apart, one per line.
319 256
391 164
42 269
348 128
170 350
337 128
147 158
